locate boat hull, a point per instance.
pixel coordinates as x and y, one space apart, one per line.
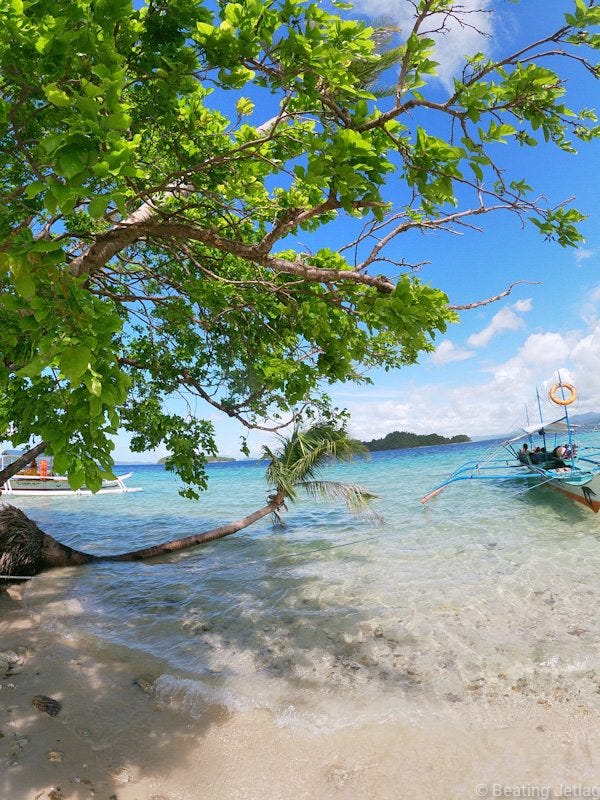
35 486
588 494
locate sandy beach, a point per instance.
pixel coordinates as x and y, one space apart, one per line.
113 738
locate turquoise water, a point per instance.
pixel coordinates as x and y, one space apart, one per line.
484 592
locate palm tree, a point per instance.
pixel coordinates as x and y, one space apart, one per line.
369 74
298 462
296 465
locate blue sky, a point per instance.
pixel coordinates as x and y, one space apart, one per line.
488 366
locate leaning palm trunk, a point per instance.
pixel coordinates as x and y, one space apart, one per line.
25 550
198 538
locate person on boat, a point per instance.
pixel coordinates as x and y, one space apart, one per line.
538 456
567 452
524 454
556 460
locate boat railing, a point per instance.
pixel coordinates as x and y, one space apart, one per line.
488 465
37 477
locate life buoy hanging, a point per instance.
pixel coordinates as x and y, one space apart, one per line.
560 401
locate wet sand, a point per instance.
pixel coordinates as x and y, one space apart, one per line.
113 739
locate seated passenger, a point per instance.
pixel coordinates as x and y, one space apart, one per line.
538 457
556 460
524 455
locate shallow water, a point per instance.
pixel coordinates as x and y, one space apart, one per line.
485 592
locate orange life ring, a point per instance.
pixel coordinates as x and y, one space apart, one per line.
559 400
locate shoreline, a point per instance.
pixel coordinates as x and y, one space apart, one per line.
113 740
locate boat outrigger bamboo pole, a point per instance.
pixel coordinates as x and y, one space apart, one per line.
433 494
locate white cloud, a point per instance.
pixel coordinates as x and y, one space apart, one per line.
523 305
495 404
594 295
447 352
582 255
504 320
456 40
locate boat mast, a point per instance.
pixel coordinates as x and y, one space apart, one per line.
542 430
530 438
569 431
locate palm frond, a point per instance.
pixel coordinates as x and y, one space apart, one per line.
278 474
318 446
301 457
357 498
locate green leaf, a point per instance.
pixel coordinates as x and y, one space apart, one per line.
119 121
77 478
101 169
71 161
33 369
58 97
98 205
74 362
94 385
244 107
34 189
24 283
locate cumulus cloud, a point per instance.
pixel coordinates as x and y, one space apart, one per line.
496 402
447 352
459 37
504 320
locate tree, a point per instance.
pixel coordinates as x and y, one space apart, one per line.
158 166
27 550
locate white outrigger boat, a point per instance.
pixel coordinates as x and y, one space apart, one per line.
38 480
556 461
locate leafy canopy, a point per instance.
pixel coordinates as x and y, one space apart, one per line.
158 166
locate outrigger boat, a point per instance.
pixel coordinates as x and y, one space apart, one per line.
38 480
557 462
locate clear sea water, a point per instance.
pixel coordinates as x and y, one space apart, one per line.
333 621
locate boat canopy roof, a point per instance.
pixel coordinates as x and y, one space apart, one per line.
552 426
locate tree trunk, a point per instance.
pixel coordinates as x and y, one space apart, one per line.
21 462
25 550
198 538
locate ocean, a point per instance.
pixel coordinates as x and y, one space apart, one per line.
332 622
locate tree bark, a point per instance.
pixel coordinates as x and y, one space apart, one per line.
12 469
25 550
198 538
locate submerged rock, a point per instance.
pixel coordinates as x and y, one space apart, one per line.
46 705
147 686
8 659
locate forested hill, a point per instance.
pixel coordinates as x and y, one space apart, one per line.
401 439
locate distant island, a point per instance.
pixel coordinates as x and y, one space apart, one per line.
209 459
399 440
